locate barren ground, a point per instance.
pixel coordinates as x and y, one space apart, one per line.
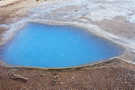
113 75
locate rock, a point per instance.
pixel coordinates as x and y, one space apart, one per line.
18 77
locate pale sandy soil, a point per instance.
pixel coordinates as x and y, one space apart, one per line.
112 19
15 9
121 28
5 2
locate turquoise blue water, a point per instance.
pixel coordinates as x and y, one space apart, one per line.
53 46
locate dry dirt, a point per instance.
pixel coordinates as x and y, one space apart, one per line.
118 26
17 8
112 75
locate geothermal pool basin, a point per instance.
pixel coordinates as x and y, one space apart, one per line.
57 46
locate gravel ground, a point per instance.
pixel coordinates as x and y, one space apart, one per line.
112 75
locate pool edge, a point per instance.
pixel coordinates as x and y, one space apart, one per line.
124 49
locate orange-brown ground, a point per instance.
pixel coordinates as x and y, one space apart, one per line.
113 75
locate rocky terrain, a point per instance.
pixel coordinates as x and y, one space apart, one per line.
112 75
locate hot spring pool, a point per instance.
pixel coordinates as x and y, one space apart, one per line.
54 46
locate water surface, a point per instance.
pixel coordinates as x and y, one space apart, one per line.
42 45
